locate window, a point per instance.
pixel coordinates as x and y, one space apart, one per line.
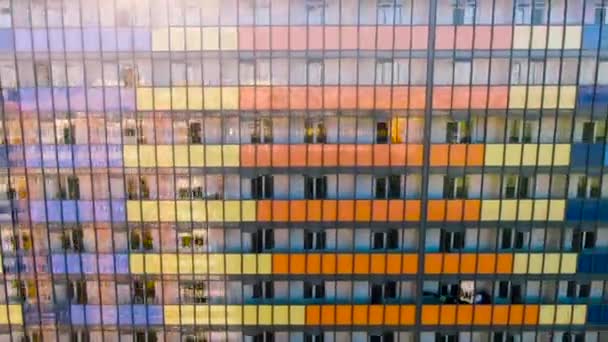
315 131
15 244
261 11
263 289
144 292
134 132
141 241
449 337
385 240
262 187
194 132
536 72
511 238
384 71
390 12
458 132
573 337
502 336
594 132
388 187
261 131
261 337
24 289
79 336
462 71
194 292
315 71
382 292
520 131
146 336
516 187
197 240
385 337
247 71
196 337
315 187
43 75
308 337
464 12
538 12
381 133
451 241
583 240
455 187
315 10
72 240
576 290
77 292
516 74
138 189
5 13
601 12
69 188
314 290
588 187
67 133
314 240
262 239
510 291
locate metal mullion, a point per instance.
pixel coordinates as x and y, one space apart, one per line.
42 167
338 113
271 117
240 173
428 116
289 117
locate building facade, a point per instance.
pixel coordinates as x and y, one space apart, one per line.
303 170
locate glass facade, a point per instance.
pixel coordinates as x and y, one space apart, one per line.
303 170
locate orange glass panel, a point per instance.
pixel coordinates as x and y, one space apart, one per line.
315 97
328 314
262 38
410 264
451 263
363 210
442 97
464 314
391 315
343 314
430 314
393 263
314 210
472 209
347 155
363 155
331 97
455 210
439 154
297 210
396 210
315 37
313 263
378 265
247 155
297 96
297 263
264 210
359 314
298 153
531 314
433 263
313 314
348 37
361 264
376 315
498 96
330 210
280 155
345 264
280 263
505 34
436 210
482 314
332 37
245 37
487 263
467 263
408 314
367 38
483 37
329 264
297 38
412 210
262 155
501 314
280 211
414 154
346 210
280 97
383 97
379 210
504 263
280 37
464 37
330 155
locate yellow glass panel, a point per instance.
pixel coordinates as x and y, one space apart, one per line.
539 37
144 99
529 154
229 38
185 263
573 37
213 155
171 314
517 97
152 263
513 154
167 211
490 210
556 210
524 212
197 156
562 155
178 38
545 154
231 155
579 314
233 264
535 95
250 315
147 156
187 314
195 98
535 263
1 268
547 314
217 314
230 98
563 314
494 154
160 39
215 211
556 34
136 263
162 98
232 211
199 211
297 314
521 37
212 98
264 264
164 155
281 314
265 314
552 261
508 210
133 211
550 97
200 263
540 210
210 38
179 99
15 314
169 262
150 211
569 262
216 264
4 314
183 211
234 314
193 39
130 155
249 264
181 155
249 211
567 97
201 313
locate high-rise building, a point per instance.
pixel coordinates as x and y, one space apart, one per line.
303 170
